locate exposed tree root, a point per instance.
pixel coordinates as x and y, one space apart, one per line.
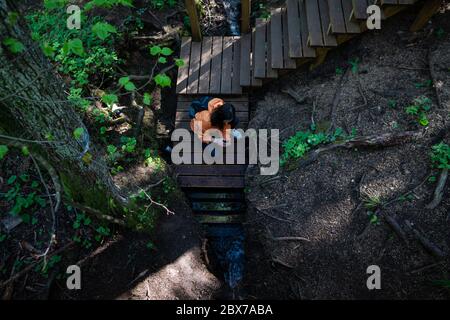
439 191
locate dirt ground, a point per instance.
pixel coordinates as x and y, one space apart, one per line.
323 201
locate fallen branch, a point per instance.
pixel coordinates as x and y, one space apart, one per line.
427 244
439 191
290 239
96 213
395 225
32 265
378 141
153 202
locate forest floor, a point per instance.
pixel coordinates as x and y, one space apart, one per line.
337 205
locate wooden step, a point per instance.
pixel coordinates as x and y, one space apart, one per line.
216 196
318 17
211 207
298 30
211 182
211 170
218 219
211 66
279 37
262 51
340 18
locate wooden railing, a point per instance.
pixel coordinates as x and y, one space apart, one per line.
191 8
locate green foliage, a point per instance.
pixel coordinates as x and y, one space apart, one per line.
161 4
179 63
110 99
339 71
3 151
354 63
127 84
54 4
103 30
163 80
128 144
373 218
107 3
148 99
13 45
301 142
419 109
440 156
371 202
392 104
77 133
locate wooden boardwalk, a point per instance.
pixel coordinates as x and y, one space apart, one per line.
299 32
302 31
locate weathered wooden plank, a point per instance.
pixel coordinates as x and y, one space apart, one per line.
183 72
314 25
236 77
276 40
359 11
270 72
255 81
218 196
194 67
184 116
246 48
211 182
205 65
210 170
227 65
259 54
226 97
216 66
218 208
329 40
308 52
289 63
351 26
337 22
240 106
219 219
294 29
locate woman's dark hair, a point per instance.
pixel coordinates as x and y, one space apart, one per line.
221 114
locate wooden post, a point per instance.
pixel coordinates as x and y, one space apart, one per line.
193 18
428 10
246 7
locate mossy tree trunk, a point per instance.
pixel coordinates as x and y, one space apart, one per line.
34 105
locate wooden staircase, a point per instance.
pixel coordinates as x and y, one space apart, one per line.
302 31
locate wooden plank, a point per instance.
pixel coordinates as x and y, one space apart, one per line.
235 82
183 72
289 63
240 106
246 47
329 40
259 53
217 196
183 98
294 28
308 52
210 170
245 16
184 116
425 14
216 66
205 65
359 11
194 67
351 26
276 40
270 72
314 25
255 81
227 65
220 208
337 22
211 182
217 219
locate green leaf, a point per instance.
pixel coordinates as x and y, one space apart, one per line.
3 151
54 4
179 62
78 132
47 49
111 149
163 80
11 180
147 99
12 17
155 50
76 46
103 30
110 99
25 151
124 80
14 45
130 86
162 60
166 51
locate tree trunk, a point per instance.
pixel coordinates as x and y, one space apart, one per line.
33 105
